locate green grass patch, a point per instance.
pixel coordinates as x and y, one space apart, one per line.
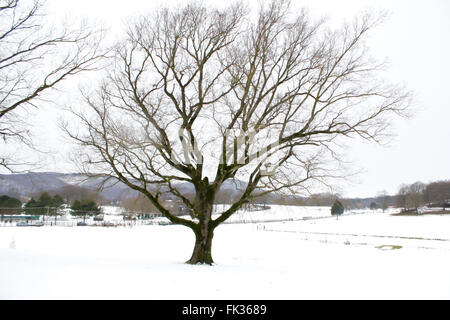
389 247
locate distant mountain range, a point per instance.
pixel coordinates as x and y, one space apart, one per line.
26 184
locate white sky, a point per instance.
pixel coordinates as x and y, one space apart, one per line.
416 41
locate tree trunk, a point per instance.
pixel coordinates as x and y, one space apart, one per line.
202 248
204 231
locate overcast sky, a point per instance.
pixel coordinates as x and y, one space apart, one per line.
416 42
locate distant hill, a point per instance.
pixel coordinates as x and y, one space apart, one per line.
26 184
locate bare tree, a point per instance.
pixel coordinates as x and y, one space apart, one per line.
437 193
34 59
411 196
383 198
202 96
414 198
139 204
400 198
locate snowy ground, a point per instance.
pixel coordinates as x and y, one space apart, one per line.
314 259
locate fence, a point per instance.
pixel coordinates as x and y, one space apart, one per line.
64 217
252 219
130 219
80 222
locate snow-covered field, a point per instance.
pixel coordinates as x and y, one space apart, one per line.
278 212
372 255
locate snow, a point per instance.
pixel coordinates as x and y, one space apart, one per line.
112 210
310 259
275 213
279 213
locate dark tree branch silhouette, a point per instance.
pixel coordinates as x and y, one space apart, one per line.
33 60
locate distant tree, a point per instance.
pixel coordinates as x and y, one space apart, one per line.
324 199
71 193
40 206
85 205
373 205
383 197
84 208
226 196
414 198
337 209
31 203
76 205
8 203
57 201
140 204
401 196
45 204
76 210
45 200
411 196
437 193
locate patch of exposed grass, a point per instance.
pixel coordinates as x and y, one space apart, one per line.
389 247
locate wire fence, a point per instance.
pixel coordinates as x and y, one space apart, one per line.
79 223
252 219
65 217
12 217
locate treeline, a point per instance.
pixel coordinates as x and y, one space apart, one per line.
10 205
44 205
81 202
409 196
319 200
418 194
